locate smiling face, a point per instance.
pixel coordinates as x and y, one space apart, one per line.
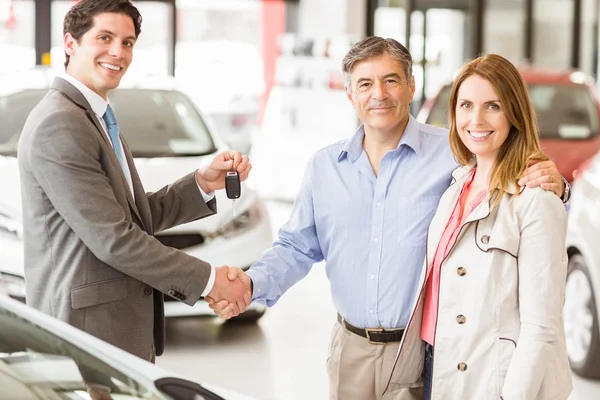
103 54
381 93
481 121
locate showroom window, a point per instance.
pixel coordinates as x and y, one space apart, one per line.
17 30
552 33
503 29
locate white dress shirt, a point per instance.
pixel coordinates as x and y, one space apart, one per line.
99 106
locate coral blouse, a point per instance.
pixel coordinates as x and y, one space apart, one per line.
447 241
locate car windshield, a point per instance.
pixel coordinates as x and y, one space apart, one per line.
37 364
564 111
155 123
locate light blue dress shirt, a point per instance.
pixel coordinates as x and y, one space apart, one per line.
371 230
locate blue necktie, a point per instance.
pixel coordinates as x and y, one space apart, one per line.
113 133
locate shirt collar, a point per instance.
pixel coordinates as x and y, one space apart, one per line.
353 148
97 103
411 136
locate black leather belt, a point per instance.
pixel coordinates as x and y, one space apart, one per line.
374 335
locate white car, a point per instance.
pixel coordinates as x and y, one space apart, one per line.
582 297
46 359
169 138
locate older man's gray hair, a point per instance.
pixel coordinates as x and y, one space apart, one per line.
374 46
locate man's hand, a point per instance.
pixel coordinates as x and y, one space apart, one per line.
233 287
543 174
212 176
224 308
98 392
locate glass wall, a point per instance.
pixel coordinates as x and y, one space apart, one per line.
503 29
17 35
588 18
219 53
552 33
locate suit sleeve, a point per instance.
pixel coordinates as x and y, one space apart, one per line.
178 203
64 157
542 268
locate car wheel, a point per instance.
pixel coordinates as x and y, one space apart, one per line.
250 316
581 320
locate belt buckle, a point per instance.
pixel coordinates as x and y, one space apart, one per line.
368 332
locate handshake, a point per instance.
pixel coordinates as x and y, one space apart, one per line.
231 293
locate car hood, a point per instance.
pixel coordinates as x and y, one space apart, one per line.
154 173
134 367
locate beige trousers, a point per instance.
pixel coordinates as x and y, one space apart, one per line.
359 370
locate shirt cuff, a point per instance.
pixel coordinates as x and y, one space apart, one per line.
211 281
206 196
258 284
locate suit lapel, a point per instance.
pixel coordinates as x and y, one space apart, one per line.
144 213
73 94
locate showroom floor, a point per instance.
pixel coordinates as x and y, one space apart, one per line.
281 358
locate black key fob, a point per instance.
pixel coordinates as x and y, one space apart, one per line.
232 185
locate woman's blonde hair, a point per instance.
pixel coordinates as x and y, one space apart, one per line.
522 143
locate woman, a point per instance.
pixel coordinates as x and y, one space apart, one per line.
496 260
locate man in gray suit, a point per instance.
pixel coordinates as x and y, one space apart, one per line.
91 258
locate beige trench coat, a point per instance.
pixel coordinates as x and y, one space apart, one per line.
500 331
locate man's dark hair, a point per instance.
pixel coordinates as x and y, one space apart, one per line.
80 17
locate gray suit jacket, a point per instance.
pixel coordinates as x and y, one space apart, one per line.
90 255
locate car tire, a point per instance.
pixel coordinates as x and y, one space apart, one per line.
581 320
249 317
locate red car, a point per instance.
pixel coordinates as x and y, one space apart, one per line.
567 107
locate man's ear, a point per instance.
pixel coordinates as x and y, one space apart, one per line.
349 95
69 43
412 87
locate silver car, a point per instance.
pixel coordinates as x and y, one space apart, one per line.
46 359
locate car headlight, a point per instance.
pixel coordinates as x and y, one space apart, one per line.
240 224
13 286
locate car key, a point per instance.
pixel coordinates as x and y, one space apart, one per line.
233 187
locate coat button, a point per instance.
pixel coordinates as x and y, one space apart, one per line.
182 297
171 293
485 239
462 367
147 291
461 319
461 271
